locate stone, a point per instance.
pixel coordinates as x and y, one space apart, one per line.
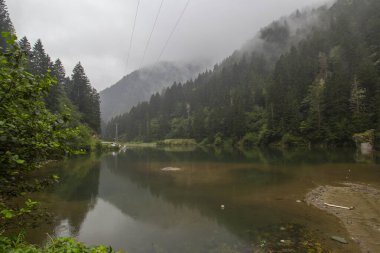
339 239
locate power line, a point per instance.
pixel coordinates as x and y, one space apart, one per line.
151 33
174 28
133 31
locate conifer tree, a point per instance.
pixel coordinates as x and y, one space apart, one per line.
85 97
40 61
25 46
58 71
5 23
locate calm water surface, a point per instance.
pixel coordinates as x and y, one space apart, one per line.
127 201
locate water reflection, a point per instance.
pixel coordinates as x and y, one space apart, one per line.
127 201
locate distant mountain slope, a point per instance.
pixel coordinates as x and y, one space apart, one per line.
141 84
310 79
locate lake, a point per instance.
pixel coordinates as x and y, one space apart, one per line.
219 200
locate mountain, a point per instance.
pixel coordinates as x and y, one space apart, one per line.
312 78
141 84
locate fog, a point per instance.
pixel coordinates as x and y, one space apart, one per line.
98 32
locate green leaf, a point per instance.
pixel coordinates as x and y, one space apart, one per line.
20 161
55 178
7 213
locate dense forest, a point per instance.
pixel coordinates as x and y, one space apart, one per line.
43 113
310 79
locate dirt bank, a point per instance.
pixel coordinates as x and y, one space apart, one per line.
363 222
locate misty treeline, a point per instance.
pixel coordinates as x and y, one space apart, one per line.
141 84
75 91
43 113
310 79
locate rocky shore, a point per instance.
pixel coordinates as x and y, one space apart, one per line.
358 209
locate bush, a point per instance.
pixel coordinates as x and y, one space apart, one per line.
249 140
289 140
267 137
367 136
57 245
218 140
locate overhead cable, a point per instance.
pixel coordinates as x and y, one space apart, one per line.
151 33
172 32
133 31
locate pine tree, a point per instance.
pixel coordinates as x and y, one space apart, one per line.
25 46
85 97
5 23
40 61
58 71
358 95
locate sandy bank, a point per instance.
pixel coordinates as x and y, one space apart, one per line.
363 222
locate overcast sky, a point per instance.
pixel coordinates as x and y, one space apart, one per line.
98 32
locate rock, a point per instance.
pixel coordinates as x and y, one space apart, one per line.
366 148
171 169
365 141
298 201
286 242
339 239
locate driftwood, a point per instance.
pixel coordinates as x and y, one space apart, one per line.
342 207
339 239
171 169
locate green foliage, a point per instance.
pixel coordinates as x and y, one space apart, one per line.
58 245
27 129
249 140
177 142
289 140
365 137
5 23
218 139
12 213
29 133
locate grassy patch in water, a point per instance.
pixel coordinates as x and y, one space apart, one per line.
177 142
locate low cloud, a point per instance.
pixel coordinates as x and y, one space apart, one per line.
97 32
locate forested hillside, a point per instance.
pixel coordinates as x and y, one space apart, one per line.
141 84
311 78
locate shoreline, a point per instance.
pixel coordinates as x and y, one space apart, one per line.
362 222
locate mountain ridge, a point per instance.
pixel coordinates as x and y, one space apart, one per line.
139 85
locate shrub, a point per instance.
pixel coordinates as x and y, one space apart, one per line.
289 140
58 245
249 140
218 140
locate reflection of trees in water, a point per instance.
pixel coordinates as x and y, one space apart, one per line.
255 155
242 175
80 179
134 183
79 187
193 191
72 198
